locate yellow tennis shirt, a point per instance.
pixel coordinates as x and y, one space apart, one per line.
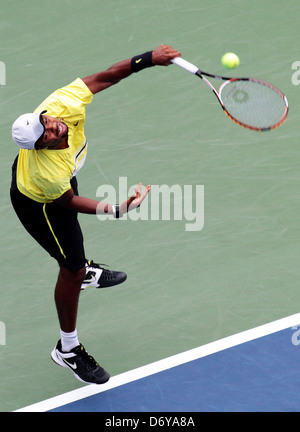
44 175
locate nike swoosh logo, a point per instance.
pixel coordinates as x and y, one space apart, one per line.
137 61
72 365
90 277
93 279
75 124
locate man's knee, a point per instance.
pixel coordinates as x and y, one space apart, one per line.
76 276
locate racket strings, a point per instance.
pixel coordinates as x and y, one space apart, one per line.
254 103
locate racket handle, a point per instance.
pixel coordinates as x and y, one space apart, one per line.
179 61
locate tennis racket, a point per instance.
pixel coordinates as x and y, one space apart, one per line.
249 102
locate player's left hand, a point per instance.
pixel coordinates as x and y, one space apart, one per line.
135 200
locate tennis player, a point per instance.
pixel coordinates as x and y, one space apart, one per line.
44 194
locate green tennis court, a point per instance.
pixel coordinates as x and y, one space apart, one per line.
159 127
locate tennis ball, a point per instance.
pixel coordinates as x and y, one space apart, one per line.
230 60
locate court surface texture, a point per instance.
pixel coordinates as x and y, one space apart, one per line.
207 319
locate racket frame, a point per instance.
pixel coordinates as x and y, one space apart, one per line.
189 67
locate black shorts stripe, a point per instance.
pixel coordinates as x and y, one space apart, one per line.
51 229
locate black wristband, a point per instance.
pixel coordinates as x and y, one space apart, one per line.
141 61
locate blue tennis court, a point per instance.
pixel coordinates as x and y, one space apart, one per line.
260 374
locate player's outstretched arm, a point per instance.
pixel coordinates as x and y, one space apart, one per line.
162 56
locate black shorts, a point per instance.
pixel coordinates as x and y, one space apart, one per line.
54 227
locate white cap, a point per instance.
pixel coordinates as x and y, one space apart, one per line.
27 129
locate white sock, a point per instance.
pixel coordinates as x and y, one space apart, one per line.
68 340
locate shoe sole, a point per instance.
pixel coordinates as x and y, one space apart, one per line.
57 360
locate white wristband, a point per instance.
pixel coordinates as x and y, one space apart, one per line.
116 211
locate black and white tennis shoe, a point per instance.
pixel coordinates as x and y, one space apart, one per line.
83 365
99 277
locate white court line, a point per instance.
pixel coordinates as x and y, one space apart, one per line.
164 364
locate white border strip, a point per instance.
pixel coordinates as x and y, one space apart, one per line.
164 364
